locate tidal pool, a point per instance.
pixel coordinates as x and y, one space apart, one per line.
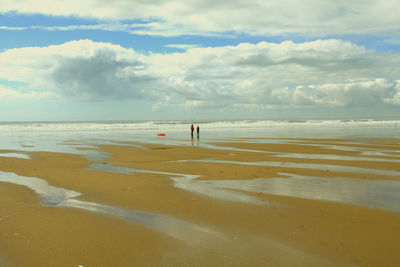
313 166
383 194
15 155
60 197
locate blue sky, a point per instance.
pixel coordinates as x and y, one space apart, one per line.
132 60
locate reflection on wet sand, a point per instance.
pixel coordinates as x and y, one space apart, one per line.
60 197
226 215
15 155
186 182
370 193
384 194
319 166
339 157
380 194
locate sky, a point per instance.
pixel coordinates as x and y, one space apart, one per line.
199 59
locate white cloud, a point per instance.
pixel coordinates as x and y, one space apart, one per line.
7 28
144 28
276 17
364 93
182 46
78 69
264 76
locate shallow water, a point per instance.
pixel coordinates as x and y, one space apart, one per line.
15 155
370 193
334 157
313 166
60 197
224 190
213 190
186 182
361 150
72 142
383 194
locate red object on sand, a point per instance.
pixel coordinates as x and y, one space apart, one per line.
161 134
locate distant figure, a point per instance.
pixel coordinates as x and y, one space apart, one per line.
198 131
191 130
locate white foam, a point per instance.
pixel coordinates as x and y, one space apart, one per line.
183 125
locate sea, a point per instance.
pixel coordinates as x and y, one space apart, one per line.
54 136
225 127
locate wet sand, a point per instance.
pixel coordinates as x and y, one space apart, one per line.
238 226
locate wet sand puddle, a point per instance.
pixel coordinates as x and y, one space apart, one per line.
195 236
15 155
383 194
346 146
60 197
379 193
334 146
376 194
186 182
324 167
339 157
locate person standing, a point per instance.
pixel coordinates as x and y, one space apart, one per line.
191 130
198 131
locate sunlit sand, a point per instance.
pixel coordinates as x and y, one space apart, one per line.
251 202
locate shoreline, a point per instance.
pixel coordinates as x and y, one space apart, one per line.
321 232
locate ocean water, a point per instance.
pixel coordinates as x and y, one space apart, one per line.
218 127
54 136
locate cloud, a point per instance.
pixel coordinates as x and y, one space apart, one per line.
367 93
102 75
268 75
394 95
205 17
145 28
79 70
7 28
265 76
182 46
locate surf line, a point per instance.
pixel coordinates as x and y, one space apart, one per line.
60 197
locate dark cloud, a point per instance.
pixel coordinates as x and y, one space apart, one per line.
102 76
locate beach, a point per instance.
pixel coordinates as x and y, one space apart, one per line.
199 133
234 201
